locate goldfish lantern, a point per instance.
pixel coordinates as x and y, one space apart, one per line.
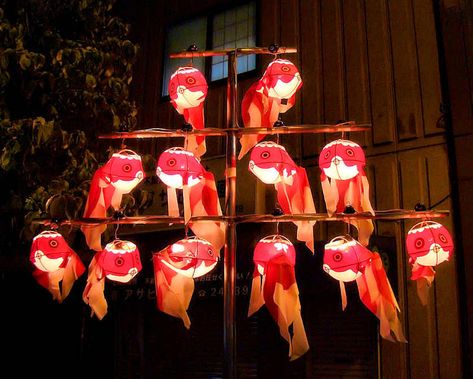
119 261
428 244
274 284
187 90
179 169
55 262
273 94
175 268
272 164
347 260
344 183
119 176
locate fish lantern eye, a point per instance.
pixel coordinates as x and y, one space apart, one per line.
119 261
53 243
181 90
126 168
265 154
350 152
327 154
442 238
210 252
420 243
171 162
285 69
337 257
190 80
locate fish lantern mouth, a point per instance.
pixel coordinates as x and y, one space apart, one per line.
345 258
273 247
429 243
342 159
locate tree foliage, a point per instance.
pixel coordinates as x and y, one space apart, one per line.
65 71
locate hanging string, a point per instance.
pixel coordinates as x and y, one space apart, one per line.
116 231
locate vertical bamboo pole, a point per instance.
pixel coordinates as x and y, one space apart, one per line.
229 258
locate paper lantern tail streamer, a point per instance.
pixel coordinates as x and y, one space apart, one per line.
377 295
93 294
195 117
424 276
173 291
296 198
355 192
204 202
60 282
278 290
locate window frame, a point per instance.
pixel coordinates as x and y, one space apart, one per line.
208 60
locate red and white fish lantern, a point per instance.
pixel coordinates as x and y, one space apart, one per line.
175 268
429 244
188 90
265 100
344 183
346 260
55 262
179 169
272 164
120 262
119 176
274 284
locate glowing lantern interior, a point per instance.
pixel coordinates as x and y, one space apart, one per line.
342 159
125 170
120 261
269 248
429 243
49 251
187 87
282 79
177 167
271 163
345 259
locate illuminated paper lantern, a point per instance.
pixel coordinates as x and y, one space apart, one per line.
272 164
55 262
120 262
119 176
263 102
346 260
274 284
188 90
428 245
179 169
175 268
344 183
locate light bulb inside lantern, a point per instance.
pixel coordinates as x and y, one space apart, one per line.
282 79
177 167
120 261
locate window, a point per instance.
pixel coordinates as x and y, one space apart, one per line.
235 27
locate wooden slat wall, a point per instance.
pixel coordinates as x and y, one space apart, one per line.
370 61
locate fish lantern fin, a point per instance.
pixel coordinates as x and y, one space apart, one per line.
282 300
74 268
173 206
204 202
252 111
93 294
50 281
377 295
424 276
173 290
256 297
195 117
343 294
96 207
330 192
296 198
